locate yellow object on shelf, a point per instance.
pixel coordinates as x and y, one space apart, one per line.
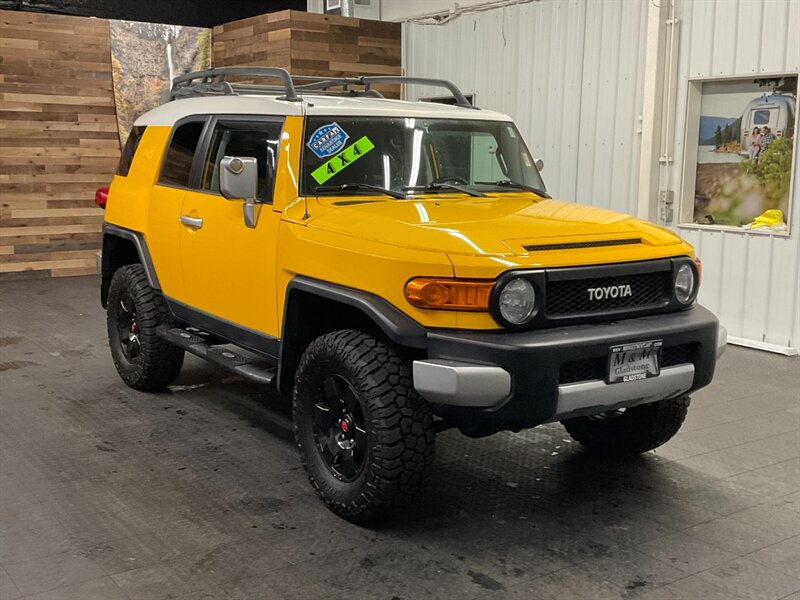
769 218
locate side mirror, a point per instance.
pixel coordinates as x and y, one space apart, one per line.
238 180
539 163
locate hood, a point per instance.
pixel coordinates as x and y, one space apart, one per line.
499 226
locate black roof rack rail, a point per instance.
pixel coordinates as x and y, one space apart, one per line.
213 82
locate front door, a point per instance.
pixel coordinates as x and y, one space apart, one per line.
229 268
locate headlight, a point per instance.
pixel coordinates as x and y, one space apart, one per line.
685 284
517 301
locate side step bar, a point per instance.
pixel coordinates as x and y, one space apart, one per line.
192 341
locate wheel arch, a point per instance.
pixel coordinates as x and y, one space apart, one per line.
123 247
314 308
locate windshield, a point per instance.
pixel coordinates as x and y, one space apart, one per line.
401 153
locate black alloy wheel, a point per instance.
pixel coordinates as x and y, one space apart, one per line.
128 329
339 428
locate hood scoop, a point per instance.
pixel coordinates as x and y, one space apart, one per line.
584 244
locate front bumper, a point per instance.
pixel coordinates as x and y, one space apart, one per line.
512 380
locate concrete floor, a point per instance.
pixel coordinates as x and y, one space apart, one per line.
107 493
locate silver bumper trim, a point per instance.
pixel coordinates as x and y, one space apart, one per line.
592 397
722 341
98 262
461 384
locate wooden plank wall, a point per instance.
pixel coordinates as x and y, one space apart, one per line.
58 137
58 142
311 44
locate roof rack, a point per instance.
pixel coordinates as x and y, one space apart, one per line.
214 82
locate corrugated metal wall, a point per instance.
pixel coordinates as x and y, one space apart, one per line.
751 281
570 72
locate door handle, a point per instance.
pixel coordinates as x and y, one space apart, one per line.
191 222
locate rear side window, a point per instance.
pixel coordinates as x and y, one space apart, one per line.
258 139
130 150
178 163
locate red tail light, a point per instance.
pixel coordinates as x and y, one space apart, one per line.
101 197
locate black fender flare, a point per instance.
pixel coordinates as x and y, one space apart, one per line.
396 325
108 263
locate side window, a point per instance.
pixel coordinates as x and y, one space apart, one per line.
258 139
178 162
130 150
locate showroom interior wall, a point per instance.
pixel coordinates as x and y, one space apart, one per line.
58 142
572 74
310 44
752 281
58 125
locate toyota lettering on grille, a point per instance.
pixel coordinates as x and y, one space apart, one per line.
611 291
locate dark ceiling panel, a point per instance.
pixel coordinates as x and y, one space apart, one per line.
199 13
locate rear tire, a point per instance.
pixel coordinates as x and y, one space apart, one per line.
632 432
365 436
143 360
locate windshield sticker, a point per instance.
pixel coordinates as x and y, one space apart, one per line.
327 140
342 160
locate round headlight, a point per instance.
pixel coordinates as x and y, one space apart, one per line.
517 301
685 285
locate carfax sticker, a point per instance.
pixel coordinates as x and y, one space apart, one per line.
342 160
327 140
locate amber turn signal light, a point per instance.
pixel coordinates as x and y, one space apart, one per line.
699 264
449 294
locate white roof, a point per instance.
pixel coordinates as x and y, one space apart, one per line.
167 114
384 107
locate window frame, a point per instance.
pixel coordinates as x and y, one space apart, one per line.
135 136
204 146
304 192
768 111
205 119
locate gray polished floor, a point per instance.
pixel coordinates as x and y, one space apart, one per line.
106 493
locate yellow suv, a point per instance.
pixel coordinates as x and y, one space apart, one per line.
399 269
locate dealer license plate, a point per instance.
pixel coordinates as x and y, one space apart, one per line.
632 362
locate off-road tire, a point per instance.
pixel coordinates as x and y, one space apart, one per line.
398 423
157 363
635 431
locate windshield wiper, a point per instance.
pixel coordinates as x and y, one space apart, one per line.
434 187
520 186
360 186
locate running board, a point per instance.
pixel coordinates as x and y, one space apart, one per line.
193 342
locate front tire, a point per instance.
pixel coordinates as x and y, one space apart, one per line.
621 434
365 436
143 360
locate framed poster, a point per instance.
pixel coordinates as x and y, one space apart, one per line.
739 152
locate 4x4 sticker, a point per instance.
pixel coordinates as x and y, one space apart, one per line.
342 160
327 140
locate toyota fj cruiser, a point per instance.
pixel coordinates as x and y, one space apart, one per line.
399 269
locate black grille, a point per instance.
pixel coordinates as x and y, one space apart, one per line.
677 355
589 369
583 370
572 297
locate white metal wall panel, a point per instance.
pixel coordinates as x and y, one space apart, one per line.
751 281
570 73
